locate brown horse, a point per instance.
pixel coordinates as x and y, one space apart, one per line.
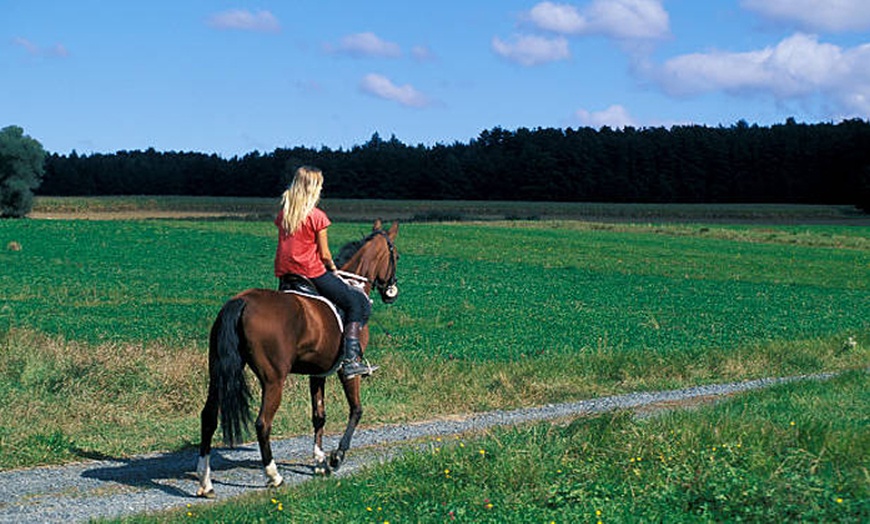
278 333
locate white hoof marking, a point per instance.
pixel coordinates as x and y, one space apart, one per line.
275 478
203 471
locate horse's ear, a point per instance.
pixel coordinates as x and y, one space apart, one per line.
394 230
377 225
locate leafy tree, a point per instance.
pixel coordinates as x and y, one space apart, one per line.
22 162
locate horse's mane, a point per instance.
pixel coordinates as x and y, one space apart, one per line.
348 250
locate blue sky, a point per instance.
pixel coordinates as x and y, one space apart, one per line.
230 78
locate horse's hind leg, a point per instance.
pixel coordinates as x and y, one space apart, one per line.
318 421
208 425
352 394
271 400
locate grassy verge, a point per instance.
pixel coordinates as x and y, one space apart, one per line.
794 452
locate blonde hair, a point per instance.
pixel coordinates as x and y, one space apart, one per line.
301 197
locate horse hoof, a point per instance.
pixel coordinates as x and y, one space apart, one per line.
272 484
202 493
335 459
321 468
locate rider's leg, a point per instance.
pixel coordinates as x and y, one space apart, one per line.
352 361
358 308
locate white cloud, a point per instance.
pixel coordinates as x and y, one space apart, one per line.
614 116
816 15
619 19
261 21
558 18
382 87
57 50
27 45
366 44
532 50
422 53
798 67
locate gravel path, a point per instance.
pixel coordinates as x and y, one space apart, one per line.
115 488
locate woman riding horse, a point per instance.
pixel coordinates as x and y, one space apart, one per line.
303 249
276 334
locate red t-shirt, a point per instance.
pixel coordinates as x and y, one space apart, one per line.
297 253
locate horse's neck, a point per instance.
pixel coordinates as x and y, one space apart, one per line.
355 265
352 265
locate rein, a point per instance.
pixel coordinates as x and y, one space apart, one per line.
353 280
352 276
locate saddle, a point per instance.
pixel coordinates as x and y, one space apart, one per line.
298 283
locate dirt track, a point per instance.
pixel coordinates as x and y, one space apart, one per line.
110 488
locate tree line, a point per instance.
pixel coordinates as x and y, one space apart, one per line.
822 163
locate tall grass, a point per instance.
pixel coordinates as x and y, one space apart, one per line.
793 453
65 401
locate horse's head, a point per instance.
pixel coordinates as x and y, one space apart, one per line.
374 257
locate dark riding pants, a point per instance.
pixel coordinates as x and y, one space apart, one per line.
355 304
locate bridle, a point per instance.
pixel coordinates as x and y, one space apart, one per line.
388 288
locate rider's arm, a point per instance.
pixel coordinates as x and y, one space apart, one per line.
323 250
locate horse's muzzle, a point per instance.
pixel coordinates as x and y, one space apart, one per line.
389 294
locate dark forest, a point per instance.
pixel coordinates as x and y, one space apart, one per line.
822 163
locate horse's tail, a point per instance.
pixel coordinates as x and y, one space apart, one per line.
226 371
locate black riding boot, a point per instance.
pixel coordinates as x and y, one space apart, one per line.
352 363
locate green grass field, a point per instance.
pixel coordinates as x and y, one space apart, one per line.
103 324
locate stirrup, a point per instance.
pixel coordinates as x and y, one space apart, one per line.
351 368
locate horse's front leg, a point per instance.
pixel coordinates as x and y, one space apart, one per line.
352 394
318 421
271 400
